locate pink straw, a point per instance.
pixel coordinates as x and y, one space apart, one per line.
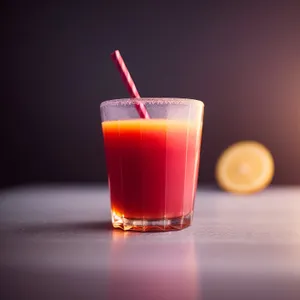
133 92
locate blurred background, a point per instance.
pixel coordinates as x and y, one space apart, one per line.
241 58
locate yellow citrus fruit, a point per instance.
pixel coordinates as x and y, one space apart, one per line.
245 167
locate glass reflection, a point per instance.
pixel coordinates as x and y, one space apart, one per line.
143 266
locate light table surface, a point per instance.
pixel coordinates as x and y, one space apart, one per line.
56 242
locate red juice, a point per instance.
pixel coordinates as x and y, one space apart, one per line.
152 167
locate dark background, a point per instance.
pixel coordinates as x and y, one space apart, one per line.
241 58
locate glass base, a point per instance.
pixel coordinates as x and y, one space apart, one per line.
152 225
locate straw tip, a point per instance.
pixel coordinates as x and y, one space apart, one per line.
115 53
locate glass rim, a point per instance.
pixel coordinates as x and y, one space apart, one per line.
151 100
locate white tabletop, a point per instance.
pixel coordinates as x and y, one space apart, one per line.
57 243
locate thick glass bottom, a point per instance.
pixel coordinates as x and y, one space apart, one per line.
164 224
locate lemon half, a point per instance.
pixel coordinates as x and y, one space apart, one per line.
245 167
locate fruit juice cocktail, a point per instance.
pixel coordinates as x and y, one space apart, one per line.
152 164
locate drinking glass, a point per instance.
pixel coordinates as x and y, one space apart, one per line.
152 164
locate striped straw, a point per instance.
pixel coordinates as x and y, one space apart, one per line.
128 81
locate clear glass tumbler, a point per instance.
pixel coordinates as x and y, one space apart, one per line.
152 163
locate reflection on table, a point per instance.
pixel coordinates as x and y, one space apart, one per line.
158 271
